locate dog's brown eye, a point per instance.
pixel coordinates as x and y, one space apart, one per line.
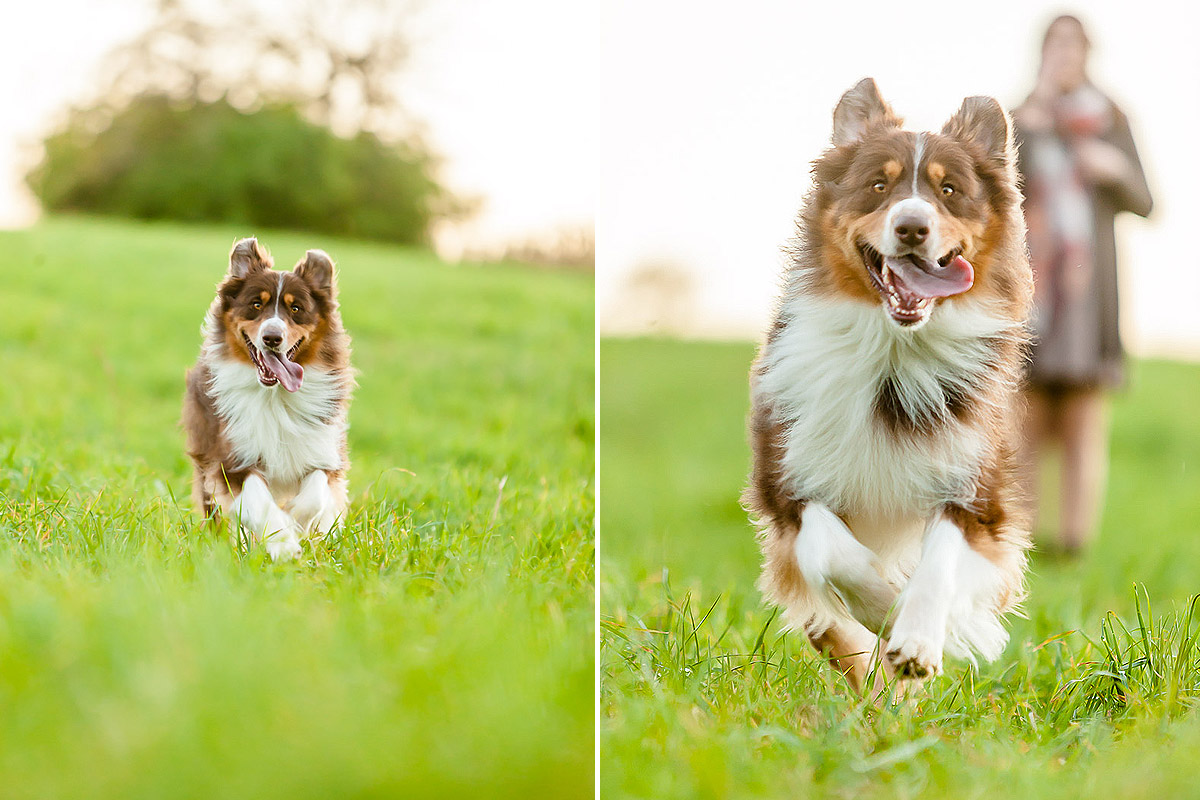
879 187
947 189
295 309
257 305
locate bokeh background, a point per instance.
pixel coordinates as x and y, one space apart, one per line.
499 99
441 153
717 119
714 117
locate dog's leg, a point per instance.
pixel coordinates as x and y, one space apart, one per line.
853 651
991 580
918 635
954 591
321 502
202 498
833 561
255 511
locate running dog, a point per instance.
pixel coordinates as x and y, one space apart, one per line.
265 410
883 400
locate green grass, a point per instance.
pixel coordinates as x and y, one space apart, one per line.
703 696
441 647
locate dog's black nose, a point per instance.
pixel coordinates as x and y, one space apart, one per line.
912 230
272 340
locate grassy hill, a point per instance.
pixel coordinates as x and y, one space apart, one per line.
441 647
702 695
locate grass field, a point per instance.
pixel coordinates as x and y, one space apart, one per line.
442 647
702 696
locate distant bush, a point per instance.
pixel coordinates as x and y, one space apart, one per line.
158 159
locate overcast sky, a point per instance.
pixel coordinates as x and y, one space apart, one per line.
505 89
711 117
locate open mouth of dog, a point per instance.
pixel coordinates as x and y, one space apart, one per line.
908 284
276 367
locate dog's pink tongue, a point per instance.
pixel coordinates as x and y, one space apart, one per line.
288 373
928 279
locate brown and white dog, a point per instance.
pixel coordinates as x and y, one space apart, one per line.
883 401
266 405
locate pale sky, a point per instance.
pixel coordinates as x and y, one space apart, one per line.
711 117
505 90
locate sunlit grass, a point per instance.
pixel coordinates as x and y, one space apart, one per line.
440 647
704 696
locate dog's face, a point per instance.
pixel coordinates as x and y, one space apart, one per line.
906 219
275 320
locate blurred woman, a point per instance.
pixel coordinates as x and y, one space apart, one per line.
1080 169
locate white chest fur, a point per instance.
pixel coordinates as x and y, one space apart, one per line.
287 434
823 375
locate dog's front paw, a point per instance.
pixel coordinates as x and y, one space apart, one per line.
284 545
324 522
314 508
915 657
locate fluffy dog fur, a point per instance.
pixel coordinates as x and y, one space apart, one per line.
883 418
265 411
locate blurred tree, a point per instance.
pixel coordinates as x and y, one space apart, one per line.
339 61
226 112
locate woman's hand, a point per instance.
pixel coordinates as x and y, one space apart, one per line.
1103 163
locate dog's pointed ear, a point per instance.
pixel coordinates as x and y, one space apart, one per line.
983 122
860 109
317 269
248 256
